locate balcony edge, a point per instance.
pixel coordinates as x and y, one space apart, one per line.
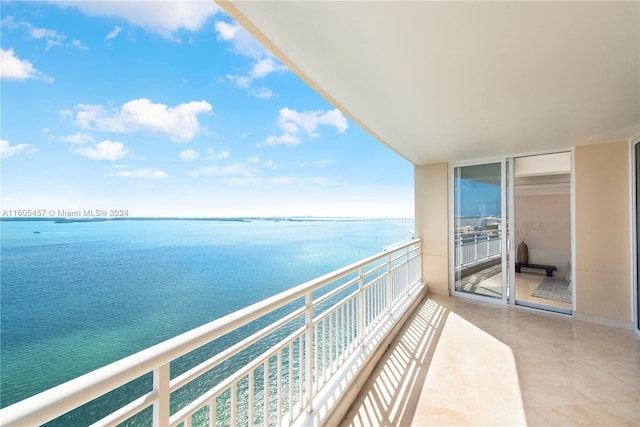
335 401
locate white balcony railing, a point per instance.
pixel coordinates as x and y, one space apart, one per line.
476 248
280 355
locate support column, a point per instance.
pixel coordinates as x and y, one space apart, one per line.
432 224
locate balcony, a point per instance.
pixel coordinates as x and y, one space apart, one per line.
463 362
374 340
289 359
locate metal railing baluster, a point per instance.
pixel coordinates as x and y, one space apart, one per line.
324 340
309 350
161 406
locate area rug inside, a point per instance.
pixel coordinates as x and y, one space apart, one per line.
553 289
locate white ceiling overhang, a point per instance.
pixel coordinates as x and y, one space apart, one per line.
447 81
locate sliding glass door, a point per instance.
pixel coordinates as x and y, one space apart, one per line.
478 230
542 224
637 249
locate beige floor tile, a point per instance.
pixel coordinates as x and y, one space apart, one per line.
629 412
598 384
573 415
626 370
464 362
471 380
546 382
554 352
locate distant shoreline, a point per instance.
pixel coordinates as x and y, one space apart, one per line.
212 219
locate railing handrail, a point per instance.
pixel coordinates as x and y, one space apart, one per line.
488 233
476 247
56 401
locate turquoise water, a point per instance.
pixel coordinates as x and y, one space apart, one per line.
78 296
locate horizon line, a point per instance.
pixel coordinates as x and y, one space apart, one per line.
221 218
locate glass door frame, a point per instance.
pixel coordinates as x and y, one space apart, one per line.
511 213
511 225
635 232
506 247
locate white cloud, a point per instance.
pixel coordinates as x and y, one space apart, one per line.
164 18
52 37
146 173
265 67
79 44
105 150
14 68
318 163
253 160
289 180
9 22
262 93
291 121
286 139
66 113
237 169
180 122
270 164
78 138
223 155
7 150
243 82
188 155
323 163
211 154
226 31
243 43
113 34
87 114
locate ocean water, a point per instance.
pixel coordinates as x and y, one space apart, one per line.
77 296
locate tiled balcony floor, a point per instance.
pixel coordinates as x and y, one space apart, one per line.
462 362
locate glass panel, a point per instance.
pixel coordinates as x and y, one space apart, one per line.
638 232
542 228
478 230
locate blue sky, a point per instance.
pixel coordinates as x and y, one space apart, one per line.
172 109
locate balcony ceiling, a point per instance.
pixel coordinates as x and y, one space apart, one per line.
448 81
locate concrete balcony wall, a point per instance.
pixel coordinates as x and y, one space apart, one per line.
603 290
432 224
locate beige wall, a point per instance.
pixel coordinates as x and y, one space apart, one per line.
554 212
603 289
552 245
432 224
602 267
